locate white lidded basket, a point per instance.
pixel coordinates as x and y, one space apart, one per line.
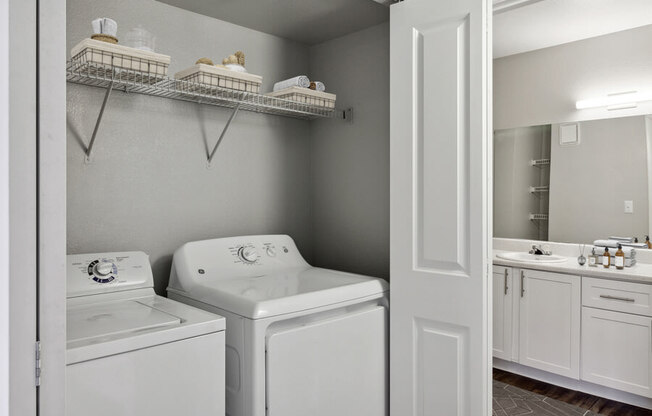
306 96
214 77
104 57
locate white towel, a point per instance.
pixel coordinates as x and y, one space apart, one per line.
319 86
607 243
299 81
630 252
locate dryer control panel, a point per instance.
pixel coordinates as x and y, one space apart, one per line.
96 273
232 257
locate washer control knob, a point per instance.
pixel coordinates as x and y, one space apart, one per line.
248 254
271 251
103 268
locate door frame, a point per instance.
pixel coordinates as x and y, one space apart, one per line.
32 214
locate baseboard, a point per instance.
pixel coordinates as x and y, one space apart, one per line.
572 384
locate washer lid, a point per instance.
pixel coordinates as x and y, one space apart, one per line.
288 291
90 323
101 326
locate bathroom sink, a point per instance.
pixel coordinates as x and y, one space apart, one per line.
531 258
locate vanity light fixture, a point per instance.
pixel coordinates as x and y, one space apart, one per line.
617 101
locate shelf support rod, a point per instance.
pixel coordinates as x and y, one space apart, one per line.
99 120
226 127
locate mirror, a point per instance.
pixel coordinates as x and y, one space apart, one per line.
565 171
573 182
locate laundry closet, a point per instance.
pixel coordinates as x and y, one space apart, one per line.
147 184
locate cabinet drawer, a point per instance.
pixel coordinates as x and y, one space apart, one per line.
617 296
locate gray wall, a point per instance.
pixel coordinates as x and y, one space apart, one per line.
590 182
542 86
148 187
513 176
350 162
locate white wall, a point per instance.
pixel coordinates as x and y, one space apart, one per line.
148 187
350 162
541 87
590 182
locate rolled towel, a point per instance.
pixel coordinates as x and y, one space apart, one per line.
318 86
299 81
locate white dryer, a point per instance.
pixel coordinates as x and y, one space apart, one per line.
300 340
131 352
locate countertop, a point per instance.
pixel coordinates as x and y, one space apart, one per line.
640 273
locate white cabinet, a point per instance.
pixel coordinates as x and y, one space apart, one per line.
549 322
617 337
502 312
617 350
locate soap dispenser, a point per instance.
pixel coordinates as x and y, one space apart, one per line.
606 258
593 258
619 258
647 241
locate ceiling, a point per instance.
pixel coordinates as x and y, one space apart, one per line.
305 21
543 23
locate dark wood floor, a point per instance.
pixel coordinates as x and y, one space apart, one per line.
576 398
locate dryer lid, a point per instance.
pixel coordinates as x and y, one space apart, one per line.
283 292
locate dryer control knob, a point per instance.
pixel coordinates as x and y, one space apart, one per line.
103 268
248 254
271 251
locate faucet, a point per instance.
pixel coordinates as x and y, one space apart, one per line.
539 251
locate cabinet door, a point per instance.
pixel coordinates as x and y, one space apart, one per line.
617 350
502 309
549 336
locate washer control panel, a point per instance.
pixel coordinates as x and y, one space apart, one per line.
107 272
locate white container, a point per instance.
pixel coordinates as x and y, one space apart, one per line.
119 56
215 77
306 96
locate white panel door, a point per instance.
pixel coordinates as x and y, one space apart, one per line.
440 162
502 312
550 322
617 350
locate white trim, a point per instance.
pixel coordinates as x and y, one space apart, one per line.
4 208
52 205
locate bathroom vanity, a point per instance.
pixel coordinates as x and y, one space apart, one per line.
584 328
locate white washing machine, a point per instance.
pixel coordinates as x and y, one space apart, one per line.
131 352
300 340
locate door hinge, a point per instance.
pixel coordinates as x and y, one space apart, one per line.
37 363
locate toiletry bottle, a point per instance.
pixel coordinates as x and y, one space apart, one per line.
619 258
606 258
593 258
647 241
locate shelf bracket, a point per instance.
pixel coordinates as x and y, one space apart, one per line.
226 127
99 120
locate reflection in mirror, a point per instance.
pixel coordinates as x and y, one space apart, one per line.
573 182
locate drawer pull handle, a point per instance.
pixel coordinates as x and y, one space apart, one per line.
522 285
505 285
617 298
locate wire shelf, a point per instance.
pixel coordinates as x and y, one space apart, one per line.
152 83
540 163
539 189
538 217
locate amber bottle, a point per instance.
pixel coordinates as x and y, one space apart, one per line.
606 258
619 258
